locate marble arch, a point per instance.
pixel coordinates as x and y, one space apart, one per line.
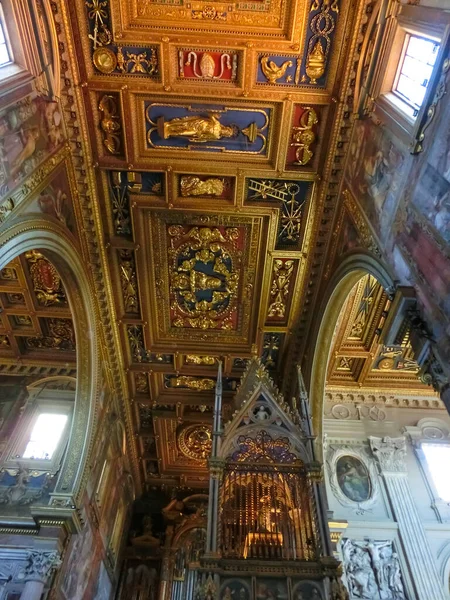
52 240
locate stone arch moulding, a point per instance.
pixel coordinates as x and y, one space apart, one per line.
38 234
348 273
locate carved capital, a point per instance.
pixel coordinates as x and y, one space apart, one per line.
40 565
432 373
390 453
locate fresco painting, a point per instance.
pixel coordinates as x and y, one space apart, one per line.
306 590
55 200
29 133
353 478
376 173
235 589
431 197
273 589
349 237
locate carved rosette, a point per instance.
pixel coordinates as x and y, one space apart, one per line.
40 566
390 453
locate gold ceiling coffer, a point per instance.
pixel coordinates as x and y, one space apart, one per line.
98 12
322 26
303 136
110 124
207 64
196 129
192 185
209 13
144 63
282 272
272 71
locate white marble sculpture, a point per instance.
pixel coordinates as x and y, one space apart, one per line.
372 570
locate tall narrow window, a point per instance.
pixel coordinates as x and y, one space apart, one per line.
414 71
438 457
45 436
5 50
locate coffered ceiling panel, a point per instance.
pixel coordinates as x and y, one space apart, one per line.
36 327
359 355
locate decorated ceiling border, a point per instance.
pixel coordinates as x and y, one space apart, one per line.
118 52
109 57
92 252
327 200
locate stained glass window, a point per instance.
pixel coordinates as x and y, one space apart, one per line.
438 457
5 52
415 69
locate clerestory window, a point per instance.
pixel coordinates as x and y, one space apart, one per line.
6 56
438 458
45 436
414 72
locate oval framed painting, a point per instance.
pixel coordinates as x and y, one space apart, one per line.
353 478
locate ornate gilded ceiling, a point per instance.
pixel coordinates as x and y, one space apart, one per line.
215 135
211 127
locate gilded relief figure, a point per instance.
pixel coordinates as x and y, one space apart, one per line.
272 71
196 129
191 185
315 63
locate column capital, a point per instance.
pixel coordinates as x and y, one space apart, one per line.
40 565
390 453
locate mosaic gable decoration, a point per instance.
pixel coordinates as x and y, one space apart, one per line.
210 128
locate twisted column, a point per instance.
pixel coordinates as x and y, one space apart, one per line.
390 454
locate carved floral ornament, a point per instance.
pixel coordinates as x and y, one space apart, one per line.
40 565
390 453
195 441
353 477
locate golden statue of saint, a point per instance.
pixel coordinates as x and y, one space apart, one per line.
196 129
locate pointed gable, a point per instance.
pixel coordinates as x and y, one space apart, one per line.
261 412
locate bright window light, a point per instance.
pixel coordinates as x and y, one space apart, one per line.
45 436
5 54
415 70
438 457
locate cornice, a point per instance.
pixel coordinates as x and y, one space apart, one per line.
95 255
327 202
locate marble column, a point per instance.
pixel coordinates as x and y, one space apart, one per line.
390 454
37 572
